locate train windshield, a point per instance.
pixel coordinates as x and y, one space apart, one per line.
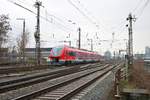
56 51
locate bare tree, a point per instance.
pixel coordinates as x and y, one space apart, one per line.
4 29
22 41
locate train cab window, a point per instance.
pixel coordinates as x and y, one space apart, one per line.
56 51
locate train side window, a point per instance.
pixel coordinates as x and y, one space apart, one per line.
72 53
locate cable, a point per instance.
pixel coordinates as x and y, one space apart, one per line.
27 3
60 20
143 8
89 19
33 1
96 22
40 16
134 10
22 6
120 25
136 7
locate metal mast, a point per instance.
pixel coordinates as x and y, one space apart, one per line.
130 41
79 38
23 41
37 33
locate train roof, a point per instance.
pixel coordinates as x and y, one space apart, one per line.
63 46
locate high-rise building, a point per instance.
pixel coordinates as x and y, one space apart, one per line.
107 55
147 52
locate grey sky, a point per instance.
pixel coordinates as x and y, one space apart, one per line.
110 15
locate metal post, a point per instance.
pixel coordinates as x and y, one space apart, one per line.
79 38
117 81
23 51
24 41
91 45
130 46
91 40
130 43
37 33
69 43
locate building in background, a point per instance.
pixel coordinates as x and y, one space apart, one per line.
147 52
3 55
30 53
107 55
139 56
12 56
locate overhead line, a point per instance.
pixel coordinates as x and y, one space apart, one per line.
134 10
138 4
81 12
58 20
35 14
96 22
143 8
27 3
22 6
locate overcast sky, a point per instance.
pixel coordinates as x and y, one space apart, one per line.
97 18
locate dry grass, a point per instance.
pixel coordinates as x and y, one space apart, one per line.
139 79
139 76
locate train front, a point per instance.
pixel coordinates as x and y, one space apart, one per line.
56 54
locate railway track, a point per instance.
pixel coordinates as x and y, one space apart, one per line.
21 68
34 79
5 70
67 91
66 86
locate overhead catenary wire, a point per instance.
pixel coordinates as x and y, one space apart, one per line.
122 24
143 8
26 3
32 1
52 16
95 20
140 7
62 19
86 16
136 9
58 19
44 18
84 12
56 22
22 7
137 6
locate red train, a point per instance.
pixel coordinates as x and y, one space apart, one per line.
65 54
